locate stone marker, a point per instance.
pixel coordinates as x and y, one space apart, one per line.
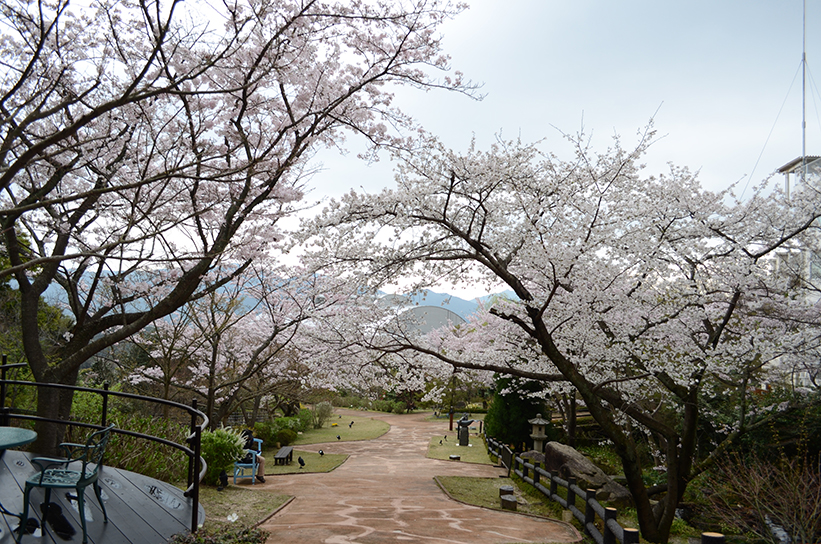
464 430
508 502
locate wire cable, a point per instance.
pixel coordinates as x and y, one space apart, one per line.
772 129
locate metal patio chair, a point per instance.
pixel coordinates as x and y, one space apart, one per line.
90 458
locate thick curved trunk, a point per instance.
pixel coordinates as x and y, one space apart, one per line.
55 404
656 520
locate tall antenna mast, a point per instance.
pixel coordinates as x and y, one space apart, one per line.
804 95
803 105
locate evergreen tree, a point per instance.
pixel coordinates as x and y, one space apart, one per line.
513 405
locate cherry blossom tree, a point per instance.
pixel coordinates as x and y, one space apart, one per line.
237 345
646 295
165 346
146 145
351 348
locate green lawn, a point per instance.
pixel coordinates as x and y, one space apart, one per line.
475 453
313 462
363 428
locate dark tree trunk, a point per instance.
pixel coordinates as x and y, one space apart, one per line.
55 404
255 413
571 420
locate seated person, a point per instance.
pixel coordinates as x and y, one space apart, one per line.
248 435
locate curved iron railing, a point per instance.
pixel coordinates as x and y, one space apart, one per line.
199 421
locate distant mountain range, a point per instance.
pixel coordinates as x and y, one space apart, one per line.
457 305
426 297
427 310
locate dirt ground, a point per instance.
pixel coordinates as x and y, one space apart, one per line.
385 492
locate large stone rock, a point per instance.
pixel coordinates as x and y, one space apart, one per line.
533 456
566 461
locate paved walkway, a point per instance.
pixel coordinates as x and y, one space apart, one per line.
385 492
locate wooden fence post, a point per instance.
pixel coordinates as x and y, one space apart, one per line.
712 538
571 495
608 537
589 513
631 536
612 532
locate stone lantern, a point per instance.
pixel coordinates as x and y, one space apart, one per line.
538 435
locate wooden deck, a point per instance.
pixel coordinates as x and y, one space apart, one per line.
140 510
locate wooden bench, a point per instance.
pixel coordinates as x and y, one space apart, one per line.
284 456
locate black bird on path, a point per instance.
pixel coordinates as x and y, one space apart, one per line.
301 462
321 453
338 437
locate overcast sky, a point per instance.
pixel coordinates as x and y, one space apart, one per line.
721 77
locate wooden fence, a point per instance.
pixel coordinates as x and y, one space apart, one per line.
610 531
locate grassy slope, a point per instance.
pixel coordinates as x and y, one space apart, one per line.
249 505
485 492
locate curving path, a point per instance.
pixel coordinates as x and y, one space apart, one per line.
385 492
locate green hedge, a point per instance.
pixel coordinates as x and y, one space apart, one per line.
271 432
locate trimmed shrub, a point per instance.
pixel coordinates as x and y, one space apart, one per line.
283 429
220 448
267 431
286 437
287 423
383 405
350 401
507 416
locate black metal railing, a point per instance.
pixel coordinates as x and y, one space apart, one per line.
611 531
198 422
